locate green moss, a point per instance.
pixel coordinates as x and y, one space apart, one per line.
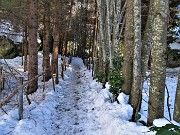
8 49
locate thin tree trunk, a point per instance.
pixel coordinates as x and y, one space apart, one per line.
25 50
107 32
136 85
54 61
95 46
1 78
46 49
147 40
116 23
177 102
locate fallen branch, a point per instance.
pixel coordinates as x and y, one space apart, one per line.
9 98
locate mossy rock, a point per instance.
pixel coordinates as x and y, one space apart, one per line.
173 58
9 50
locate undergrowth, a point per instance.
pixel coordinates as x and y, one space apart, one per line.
168 129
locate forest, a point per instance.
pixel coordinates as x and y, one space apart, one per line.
89 67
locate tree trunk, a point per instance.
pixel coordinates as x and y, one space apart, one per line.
128 54
177 102
33 57
147 40
116 23
94 48
107 32
135 97
1 78
25 49
158 65
101 4
54 61
46 49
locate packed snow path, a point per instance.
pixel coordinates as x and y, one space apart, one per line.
79 106
72 115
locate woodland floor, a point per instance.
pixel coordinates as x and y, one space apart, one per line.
79 106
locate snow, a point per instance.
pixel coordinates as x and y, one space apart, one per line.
123 98
6 29
162 122
174 46
79 106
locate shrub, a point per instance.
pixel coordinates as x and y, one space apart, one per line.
168 129
115 75
100 76
115 81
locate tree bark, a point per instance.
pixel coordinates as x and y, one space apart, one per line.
33 57
147 39
107 34
25 49
54 61
128 52
135 97
158 65
46 49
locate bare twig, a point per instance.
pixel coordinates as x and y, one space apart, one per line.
28 99
4 111
168 105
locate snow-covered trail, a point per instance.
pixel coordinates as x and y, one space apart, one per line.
85 109
79 106
71 114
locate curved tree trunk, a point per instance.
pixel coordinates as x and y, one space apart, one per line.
158 65
33 57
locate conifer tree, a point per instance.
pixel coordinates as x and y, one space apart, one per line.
33 54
